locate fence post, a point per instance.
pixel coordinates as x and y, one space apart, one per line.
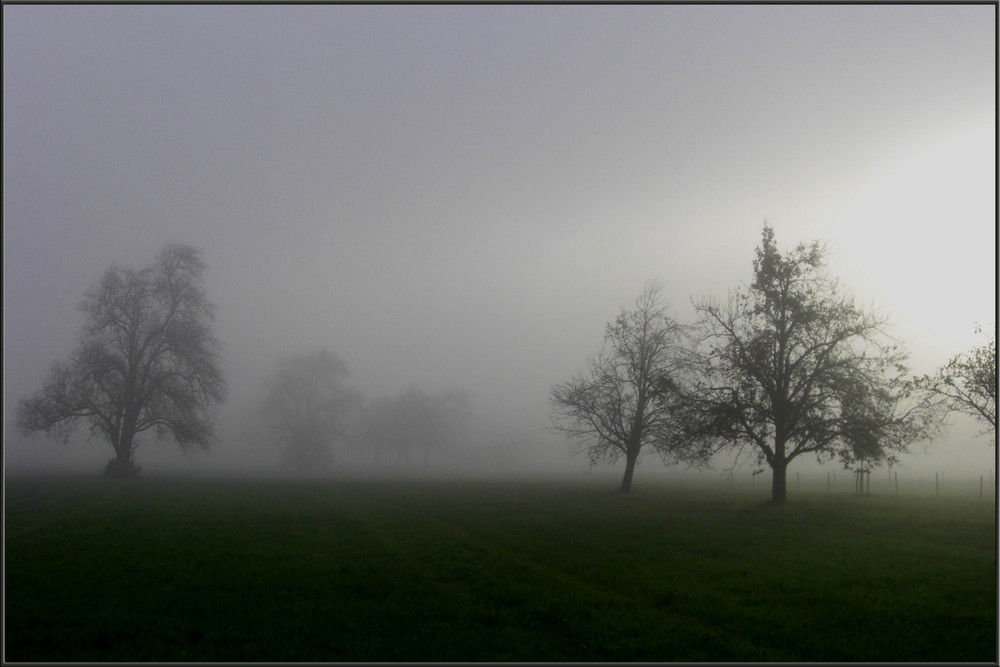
897 483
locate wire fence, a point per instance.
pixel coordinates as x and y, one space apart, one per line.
885 482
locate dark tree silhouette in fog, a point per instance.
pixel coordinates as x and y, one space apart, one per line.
147 359
794 367
306 401
968 383
414 419
625 401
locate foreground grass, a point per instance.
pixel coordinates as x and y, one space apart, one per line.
244 570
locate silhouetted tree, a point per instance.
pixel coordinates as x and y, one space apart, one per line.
306 400
625 402
413 419
147 359
794 367
968 383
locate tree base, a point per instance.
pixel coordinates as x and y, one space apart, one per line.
119 468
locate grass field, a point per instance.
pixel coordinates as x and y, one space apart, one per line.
160 569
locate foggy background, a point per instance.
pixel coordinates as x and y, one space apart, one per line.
461 197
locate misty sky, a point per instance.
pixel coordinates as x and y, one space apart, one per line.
462 196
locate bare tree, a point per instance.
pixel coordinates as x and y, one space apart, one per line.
968 383
305 402
147 359
624 403
794 367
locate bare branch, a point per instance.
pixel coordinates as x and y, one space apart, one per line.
624 403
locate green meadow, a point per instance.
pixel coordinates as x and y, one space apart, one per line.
188 569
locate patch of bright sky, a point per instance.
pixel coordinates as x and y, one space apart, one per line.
932 269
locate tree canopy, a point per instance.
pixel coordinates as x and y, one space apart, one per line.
147 359
792 366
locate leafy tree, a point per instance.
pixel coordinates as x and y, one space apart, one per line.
147 359
306 400
793 367
625 403
968 383
411 420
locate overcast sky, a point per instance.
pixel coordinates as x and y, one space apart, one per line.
463 196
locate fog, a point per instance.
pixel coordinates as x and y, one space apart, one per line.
461 197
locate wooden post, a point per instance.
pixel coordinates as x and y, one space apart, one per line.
897 483
937 487
827 480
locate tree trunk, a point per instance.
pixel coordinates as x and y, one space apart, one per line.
123 465
630 460
779 489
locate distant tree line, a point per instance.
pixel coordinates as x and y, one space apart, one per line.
309 410
787 366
